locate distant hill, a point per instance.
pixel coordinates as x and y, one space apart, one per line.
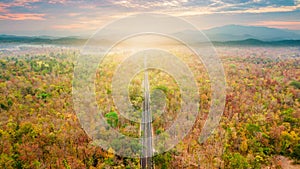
238 32
41 40
255 42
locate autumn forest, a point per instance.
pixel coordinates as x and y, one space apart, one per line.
260 126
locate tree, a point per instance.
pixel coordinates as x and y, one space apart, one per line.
112 119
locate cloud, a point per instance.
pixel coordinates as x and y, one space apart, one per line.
197 7
72 14
57 1
82 23
272 9
240 7
69 26
150 4
197 3
260 3
176 7
3 7
22 16
7 14
25 3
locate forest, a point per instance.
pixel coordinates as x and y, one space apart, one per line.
260 126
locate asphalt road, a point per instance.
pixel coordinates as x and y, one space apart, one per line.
146 128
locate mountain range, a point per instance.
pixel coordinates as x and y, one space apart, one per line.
238 32
225 35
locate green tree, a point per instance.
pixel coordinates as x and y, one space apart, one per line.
112 119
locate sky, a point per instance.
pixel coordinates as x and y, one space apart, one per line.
84 17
